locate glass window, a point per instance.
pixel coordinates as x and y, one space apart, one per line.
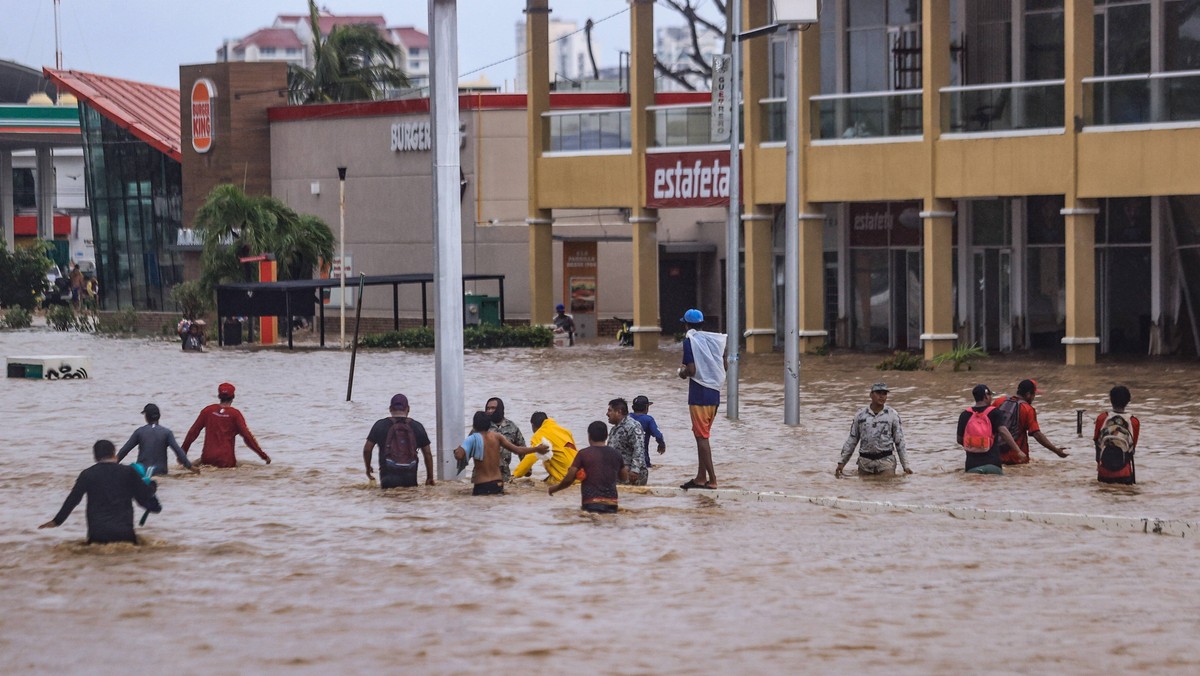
1044 220
868 57
1044 45
1127 41
990 223
865 13
902 12
1181 35
1185 216
1123 221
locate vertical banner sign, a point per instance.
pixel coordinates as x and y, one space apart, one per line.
579 277
722 99
203 93
334 299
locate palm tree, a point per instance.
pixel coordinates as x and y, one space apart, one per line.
352 63
233 224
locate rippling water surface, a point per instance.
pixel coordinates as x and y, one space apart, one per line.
301 567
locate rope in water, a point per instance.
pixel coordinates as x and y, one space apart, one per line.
1175 527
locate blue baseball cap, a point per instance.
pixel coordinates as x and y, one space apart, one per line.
693 316
560 307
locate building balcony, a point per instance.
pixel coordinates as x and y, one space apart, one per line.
864 117
1146 99
1005 108
592 131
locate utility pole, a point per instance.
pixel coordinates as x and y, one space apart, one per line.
342 253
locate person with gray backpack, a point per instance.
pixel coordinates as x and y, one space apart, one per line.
1116 438
398 438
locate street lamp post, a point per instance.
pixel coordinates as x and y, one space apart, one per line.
342 253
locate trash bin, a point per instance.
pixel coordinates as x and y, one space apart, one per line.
231 332
489 310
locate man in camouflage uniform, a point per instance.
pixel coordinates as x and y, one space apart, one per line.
628 437
507 429
878 435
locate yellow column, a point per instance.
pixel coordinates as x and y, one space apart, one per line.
938 253
757 240
540 221
811 314
646 329
1081 338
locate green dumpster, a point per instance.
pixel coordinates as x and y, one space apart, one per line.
481 309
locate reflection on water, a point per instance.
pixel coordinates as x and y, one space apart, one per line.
302 566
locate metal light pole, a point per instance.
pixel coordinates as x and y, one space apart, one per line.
342 253
733 234
791 245
447 234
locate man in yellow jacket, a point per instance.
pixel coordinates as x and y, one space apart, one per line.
559 445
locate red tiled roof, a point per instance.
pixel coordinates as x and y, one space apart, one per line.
279 38
410 37
149 112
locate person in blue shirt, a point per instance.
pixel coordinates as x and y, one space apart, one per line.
641 413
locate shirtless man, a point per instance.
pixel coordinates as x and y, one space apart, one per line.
483 446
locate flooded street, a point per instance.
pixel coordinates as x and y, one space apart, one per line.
299 566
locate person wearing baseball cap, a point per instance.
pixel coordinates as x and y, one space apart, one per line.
398 411
1020 417
641 413
152 441
983 450
222 423
878 435
565 323
704 363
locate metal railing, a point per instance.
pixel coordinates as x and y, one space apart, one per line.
1002 106
588 130
866 114
1144 98
774 114
687 124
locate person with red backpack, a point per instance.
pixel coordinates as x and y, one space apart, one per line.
1116 439
1020 417
982 434
398 438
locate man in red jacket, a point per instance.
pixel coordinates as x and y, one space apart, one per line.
221 423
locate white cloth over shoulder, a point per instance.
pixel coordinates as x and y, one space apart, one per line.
708 349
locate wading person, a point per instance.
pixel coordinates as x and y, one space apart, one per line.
878 435
1116 438
704 367
641 413
982 434
563 322
627 437
559 447
110 488
598 468
221 423
152 441
484 446
398 438
507 429
1020 417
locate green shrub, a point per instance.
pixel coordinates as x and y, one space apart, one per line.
23 274
963 354
474 337
902 361
192 298
17 318
61 317
122 321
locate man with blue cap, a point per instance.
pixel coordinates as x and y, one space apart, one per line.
704 368
563 322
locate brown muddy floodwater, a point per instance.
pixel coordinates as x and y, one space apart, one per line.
299 567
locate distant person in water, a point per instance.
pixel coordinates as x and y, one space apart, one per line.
110 488
598 467
483 446
506 428
641 413
221 424
1116 438
554 445
152 441
878 435
398 437
704 365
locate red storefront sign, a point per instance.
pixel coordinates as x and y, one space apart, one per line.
695 179
203 92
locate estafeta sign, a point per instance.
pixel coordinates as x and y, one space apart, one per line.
722 99
675 180
203 132
411 136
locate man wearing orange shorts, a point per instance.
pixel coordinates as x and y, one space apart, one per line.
704 366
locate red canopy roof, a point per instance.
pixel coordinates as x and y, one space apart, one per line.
279 38
149 112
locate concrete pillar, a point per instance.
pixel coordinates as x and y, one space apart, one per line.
646 328
757 241
1081 339
937 263
811 314
539 220
6 198
1080 215
45 193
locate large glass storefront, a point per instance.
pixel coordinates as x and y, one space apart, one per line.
885 275
135 196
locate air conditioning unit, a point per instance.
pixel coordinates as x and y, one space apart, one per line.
796 11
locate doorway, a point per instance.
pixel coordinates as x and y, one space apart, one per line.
677 289
991 325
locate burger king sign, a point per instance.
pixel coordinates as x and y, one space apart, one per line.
203 93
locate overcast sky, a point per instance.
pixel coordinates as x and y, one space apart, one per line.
147 40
